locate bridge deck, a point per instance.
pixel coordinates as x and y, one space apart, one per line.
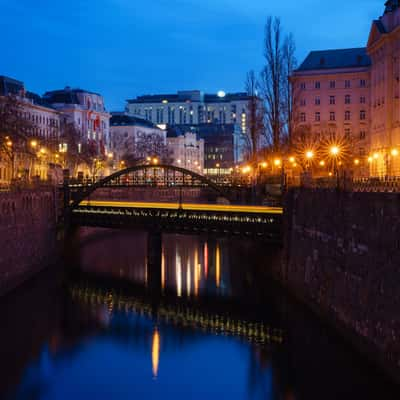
186 206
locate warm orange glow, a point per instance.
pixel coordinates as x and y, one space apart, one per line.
217 165
148 158
43 150
277 162
369 159
34 143
155 352
110 155
292 159
155 160
188 278
356 161
264 164
322 163
178 273
334 150
197 272
376 155
9 143
330 173
394 152
217 266
57 156
309 154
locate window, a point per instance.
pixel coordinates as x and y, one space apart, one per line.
362 115
332 84
317 116
317 101
303 85
362 135
332 116
317 85
346 84
362 83
347 116
302 117
302 102
347 133
362 100
332 100
347 99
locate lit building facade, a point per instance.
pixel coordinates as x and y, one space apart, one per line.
332 96
192 108
384 49
356 93
86 111
186 150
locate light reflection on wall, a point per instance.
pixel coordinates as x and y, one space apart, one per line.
163 276
188 278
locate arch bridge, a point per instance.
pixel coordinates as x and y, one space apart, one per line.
226 219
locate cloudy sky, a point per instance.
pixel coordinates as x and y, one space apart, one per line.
124 48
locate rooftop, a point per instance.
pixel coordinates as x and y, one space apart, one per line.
66 95
335 59
127 120
189 96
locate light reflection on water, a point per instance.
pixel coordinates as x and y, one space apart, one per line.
216 330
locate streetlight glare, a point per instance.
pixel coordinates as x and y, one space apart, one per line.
335 150
309 154
394 152
277 162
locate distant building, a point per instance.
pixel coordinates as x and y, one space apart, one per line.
135 138
10 86
223 145
86 111
192 107
186 149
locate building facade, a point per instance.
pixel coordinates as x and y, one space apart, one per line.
192 108
86 111
332 97
134 139
384 49
186 150
355 93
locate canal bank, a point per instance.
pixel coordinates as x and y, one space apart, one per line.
341 258
28 234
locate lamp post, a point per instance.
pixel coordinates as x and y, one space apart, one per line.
334 152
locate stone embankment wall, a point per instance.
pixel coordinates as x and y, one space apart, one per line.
28 235
342 258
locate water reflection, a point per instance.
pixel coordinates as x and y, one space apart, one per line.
216 329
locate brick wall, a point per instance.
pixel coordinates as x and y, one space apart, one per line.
27 235
343 258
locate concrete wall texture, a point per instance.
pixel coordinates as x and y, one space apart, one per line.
27 235
343 259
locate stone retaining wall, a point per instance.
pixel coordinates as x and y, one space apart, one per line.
28 235
343 259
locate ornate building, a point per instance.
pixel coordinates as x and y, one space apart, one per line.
384 49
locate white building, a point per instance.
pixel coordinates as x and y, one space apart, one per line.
186 150
135 139
192 108
86 110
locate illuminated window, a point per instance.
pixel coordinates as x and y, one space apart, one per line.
302 117
317 116
347 116
347 99
317 85
363 115
332 84
347 84
332 100
332 116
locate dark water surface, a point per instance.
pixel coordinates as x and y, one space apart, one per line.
209 325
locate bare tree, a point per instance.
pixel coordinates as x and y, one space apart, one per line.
289 64
255 123
280 62
15 133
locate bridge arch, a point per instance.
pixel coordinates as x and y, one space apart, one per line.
185 172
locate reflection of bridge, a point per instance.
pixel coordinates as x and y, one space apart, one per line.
181 313
253 221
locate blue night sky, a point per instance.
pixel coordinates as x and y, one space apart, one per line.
124 48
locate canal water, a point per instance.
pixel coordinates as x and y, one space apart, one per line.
210 324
